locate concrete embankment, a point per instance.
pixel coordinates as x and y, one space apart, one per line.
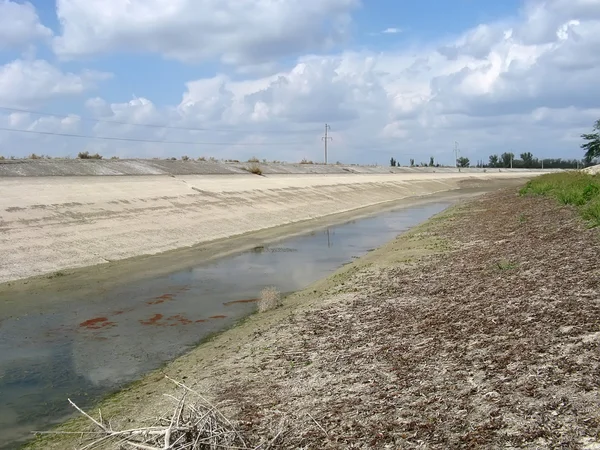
50 223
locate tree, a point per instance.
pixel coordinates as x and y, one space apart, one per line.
507 159
527 159
431 162
493 160
392 162
463 162
592 147
412 163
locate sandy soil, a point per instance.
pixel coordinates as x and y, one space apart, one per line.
479 329
48 224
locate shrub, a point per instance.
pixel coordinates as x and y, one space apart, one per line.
255 169
86 155
212 159
114 157
254 159
201 158
270 298
306 161
185 158
2 158
34 156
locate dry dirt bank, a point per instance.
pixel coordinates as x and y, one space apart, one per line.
479 329
49 224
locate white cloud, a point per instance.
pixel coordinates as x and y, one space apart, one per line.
392 31
20 25
237 32
26 83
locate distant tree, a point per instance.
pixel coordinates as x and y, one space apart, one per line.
494 161
392 162
592 146
431 162
412 163
507 159
463 162
527 159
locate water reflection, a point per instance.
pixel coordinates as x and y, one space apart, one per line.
93 346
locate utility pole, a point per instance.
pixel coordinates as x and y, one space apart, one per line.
511 158
326 139
456 150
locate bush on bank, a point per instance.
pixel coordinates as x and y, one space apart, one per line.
570 188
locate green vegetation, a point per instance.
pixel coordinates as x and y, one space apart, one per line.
463 162
570 188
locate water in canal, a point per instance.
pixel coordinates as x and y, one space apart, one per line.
88 348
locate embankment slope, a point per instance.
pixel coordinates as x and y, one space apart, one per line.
50 223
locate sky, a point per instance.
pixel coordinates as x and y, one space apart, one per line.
237 79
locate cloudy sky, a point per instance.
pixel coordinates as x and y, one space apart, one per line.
234 79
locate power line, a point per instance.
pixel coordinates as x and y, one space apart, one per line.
168 127
153 141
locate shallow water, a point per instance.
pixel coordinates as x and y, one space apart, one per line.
88 348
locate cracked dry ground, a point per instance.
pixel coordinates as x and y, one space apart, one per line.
492 344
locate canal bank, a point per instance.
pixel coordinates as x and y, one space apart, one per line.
296 300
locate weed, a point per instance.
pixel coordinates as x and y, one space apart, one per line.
212 159
2 158
202 158
185 158
522 218
306 161
255 169
270 298
34 156
114 157
254 159
591 213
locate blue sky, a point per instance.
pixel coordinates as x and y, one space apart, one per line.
393 78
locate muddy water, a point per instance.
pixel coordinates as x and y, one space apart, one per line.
87 348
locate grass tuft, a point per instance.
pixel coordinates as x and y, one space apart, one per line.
255 169
570 188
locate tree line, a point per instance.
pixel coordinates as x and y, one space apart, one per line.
505 160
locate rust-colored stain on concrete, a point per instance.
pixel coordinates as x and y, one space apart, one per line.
96 323
217 317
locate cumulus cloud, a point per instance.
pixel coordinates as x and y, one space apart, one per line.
20 25
25 83
528 84
237 32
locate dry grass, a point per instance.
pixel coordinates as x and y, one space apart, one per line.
270 298
255 169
